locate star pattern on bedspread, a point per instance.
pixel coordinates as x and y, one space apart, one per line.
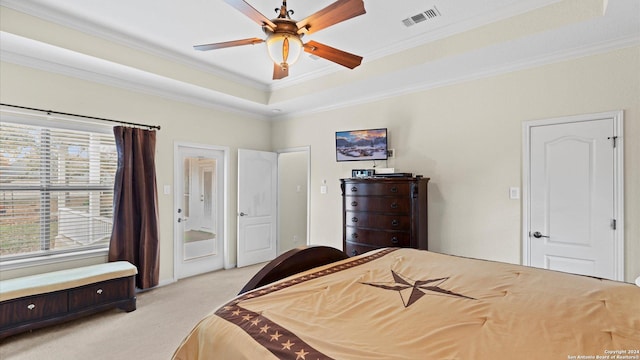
301 354
280 341
277 339
412 290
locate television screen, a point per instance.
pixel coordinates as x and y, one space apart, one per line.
356 145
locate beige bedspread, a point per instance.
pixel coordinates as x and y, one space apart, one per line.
411 304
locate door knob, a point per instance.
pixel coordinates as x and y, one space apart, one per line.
182 219
537 235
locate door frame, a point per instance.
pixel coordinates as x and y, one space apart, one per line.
225 196
618 182
307 150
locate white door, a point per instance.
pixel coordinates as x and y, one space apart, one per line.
572 203
257 206
199 210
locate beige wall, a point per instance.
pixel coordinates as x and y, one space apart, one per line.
468 139
292 199
180 122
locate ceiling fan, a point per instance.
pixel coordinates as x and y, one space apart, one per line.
284 34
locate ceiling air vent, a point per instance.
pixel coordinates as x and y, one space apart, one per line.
420 17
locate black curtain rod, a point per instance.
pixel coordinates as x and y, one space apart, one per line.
83 116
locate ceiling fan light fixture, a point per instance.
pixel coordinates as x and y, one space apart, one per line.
284 48
284 35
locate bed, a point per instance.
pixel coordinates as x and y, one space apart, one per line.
399 303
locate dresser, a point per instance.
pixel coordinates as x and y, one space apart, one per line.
384 212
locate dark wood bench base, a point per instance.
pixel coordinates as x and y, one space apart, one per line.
36 311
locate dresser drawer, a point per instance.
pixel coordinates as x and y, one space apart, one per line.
377 221
379 188
377 204
99 293
33 308
6 313
377 237
353 249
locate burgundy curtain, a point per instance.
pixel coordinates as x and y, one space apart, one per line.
135 235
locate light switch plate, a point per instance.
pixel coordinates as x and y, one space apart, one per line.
514 193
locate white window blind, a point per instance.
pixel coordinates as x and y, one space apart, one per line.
56 189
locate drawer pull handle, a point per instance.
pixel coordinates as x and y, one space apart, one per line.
354 189
395 222
354 235
354 203
31 306
354 253
354 219
394 189
394 205
394 240
99 291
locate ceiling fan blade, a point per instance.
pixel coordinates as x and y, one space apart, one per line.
280 72
251 12
332 54
339 11
221 45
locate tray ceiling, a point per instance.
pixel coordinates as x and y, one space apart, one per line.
446 42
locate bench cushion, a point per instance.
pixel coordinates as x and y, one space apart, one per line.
64 279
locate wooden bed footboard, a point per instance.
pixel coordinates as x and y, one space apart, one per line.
292 262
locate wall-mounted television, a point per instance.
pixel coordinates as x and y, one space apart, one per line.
355 145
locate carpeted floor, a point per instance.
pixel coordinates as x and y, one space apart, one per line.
163 318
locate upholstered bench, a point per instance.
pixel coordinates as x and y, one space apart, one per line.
35 301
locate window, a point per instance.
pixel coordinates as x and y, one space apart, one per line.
56 187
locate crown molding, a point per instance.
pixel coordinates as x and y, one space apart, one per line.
542 48
101 71
161 51
30 53
529 63
422 39
128 40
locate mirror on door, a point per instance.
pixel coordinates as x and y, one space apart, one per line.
198 210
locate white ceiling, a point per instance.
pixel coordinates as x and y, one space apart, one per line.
396 57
